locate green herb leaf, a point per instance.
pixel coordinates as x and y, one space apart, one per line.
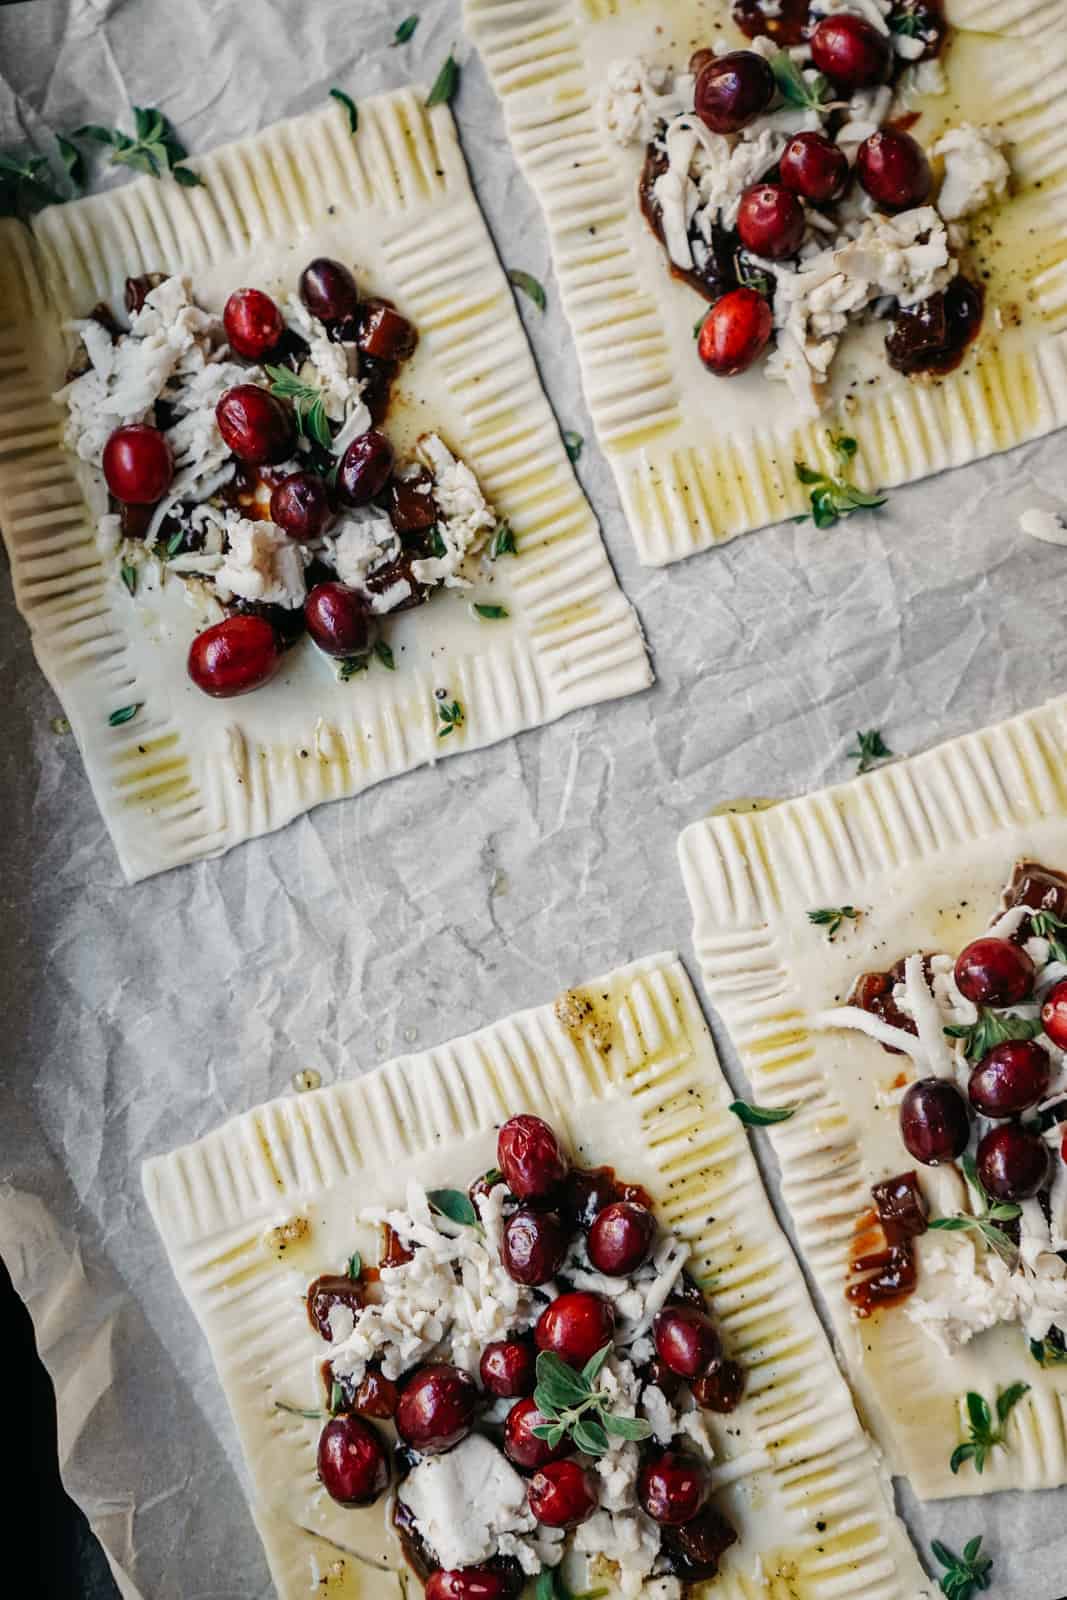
174 543
529 286
1008 1399
155 148
355 1265
572 443
794 88
73 161
299 1411
870 748
437 543
993 1236
351 666
453 1204
835 496
490 613
906 22
590 1438
337 1398
308 402
992 1028
450 716
594 1364
405 30
188 178
26 184
984 1437
385 654
350 106
444 85
627 1427
1047 1353
575 1407
503 541
832 918
964 1574
1046 925
124 714
128 574
761 1116
751 277
492 1177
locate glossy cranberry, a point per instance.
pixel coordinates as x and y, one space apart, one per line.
672 1488
732 90
338 620
138 464
694 1551
353 1465
721 1388
575 1326
1054 1014
255 425
253 323
501 1582
734 332
333 1289
376 1396
529 1155
562 1494
686 1340
522 1446
620 1238
365 467
1012 1162
770 220
234 656
813 166
533 1246
994 972
851 51
893 169
329 290
935 1124
507 1368
589 1190
1011 1078
300 505
436 1408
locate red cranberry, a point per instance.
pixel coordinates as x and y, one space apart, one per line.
1011 1078
236 655
529 1155
813 166
994 972
332 1290
850 50
353 1465
253 323
620 1238
721 1388
328 290
376 1396
255 425
1054 1014
533 1246
734 332
522 1446
893 169
1012 1162
562 1494
300 505
575 1326
507 1368
732 90
693 1552
770 220
935 1124
365 467
474 1583
436 1408
686 1340
672 1488
338 620
138 464
589 1190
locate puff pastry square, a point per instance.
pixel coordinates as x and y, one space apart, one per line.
631 1079
189 777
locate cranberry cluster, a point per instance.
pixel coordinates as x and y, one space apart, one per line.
437 1405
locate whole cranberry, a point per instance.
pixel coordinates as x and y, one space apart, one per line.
893 169
365 467
620 1238
332 1289
529 1155
694 1551
533 1246
935 1124
562 1494
770 221
508 1368
353 1465
300 505
1054 1014
686 1341
1012 1162
1011 1078
234 656
813 166
994 972
436 1408
255 425
253 323
500 1582
589 1190
376 1396
721 1388
522 1446
672 1488
575 1326
851 51
338 620
138 464
734 332
329 290
732 90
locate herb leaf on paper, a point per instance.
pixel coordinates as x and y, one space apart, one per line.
444 85
529 286
350 107
405 30
870 749
964 1574
155 148
26 184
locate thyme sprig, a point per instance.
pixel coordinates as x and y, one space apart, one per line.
450 715
1047 925
832 918
964 1574
308 402
573 1407
984 1437
986 1221
834 495
155 148
870 749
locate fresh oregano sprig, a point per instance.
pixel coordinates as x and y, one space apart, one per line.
308 402
963 1574
832 918
155 148
834 495
794 88
992 1028
575 1408
985 1222
1047 925
984 1437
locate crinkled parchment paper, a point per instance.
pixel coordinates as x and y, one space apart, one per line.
139 1018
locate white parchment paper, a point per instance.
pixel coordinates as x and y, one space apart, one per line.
139 1018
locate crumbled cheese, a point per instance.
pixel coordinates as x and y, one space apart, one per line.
659 1412
363 540
964 1289
636 98
464 1500
638 1298
262 563
465 518
867 110
332 364
925 79
1046 525
629 1540
976 172
706 175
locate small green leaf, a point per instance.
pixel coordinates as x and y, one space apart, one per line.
503 541
188 178
73 160
962 1453
450 716
453 1204
807 475
351 666
437 543
355 1265
175 542
155 149
337 1397
870 748
128 574
1047 1353
592 1367
98 135
627 1427
590 1438
793 86
761 1116
124 714
992 1028
350 106
978 1411
405 30
299 1411
529 286
832 918
964 1574
572 443
490 613
385 654
1009 1399
444 85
